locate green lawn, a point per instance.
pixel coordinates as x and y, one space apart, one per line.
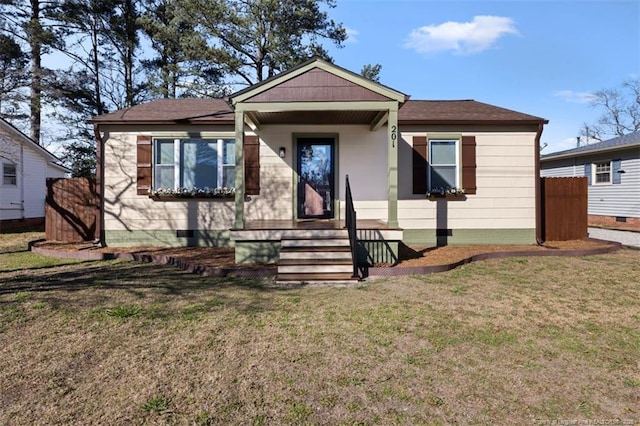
515 341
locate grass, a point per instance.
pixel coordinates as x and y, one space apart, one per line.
528 340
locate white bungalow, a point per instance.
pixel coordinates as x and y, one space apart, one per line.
266 171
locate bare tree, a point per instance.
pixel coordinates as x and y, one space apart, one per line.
620 111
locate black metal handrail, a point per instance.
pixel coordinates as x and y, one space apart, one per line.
350 223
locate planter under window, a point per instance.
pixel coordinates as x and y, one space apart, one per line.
449 194
195 194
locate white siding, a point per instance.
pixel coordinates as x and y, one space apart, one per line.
126 210
505 179
609 199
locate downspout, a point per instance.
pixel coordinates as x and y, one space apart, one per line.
22 213
539 236
100 184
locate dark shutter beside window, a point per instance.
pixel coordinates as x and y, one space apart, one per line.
144 164
251 165
616 166
469 164
420 164
587 172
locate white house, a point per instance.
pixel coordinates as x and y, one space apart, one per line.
612 168
25 166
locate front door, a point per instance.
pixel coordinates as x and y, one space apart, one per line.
316 180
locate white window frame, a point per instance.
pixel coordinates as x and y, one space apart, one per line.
177 163
5 175
595 173
458 166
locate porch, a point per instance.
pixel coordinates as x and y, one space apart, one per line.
264 240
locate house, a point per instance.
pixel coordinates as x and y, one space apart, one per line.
25 166
612 168
248 170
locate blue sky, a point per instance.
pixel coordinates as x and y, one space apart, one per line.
538 57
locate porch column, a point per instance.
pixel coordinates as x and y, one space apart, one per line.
392 167
239 127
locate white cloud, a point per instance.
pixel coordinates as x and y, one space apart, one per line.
574 97
461 37
352 35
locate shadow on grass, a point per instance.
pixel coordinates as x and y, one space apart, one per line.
117 275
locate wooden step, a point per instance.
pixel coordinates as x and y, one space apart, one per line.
303 255
315 256
306 268
314 261
315 277
315 242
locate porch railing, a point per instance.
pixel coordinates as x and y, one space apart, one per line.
350 223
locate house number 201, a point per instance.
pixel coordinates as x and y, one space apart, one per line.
394 136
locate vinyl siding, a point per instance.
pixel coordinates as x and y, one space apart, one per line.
505 177
125 210
607 199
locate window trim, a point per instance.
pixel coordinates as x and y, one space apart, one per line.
177 159
446 137
14 175
594 172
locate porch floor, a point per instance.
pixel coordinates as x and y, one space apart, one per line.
312 224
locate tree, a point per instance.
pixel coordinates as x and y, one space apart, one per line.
173 72
372 72
28 22
13 78
256 39
621 111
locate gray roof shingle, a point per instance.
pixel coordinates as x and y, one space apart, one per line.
622 142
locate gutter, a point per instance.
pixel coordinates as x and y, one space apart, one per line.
538 191
22 181
100 183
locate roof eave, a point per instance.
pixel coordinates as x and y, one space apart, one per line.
466 122
561 156
155 122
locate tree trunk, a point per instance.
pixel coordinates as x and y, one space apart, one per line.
36 70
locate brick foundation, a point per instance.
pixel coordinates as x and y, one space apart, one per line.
611 222
20 225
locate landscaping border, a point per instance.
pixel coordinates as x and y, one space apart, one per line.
421 270
268 271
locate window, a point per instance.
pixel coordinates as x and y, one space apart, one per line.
9 176
602 172
444 160
194 164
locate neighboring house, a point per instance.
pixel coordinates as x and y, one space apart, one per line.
25 166
277 155
612 168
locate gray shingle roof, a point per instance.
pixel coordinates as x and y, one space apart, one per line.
622 142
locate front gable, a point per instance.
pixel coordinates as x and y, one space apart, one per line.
317 81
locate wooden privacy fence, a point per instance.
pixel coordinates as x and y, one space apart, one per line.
72 210
564 208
